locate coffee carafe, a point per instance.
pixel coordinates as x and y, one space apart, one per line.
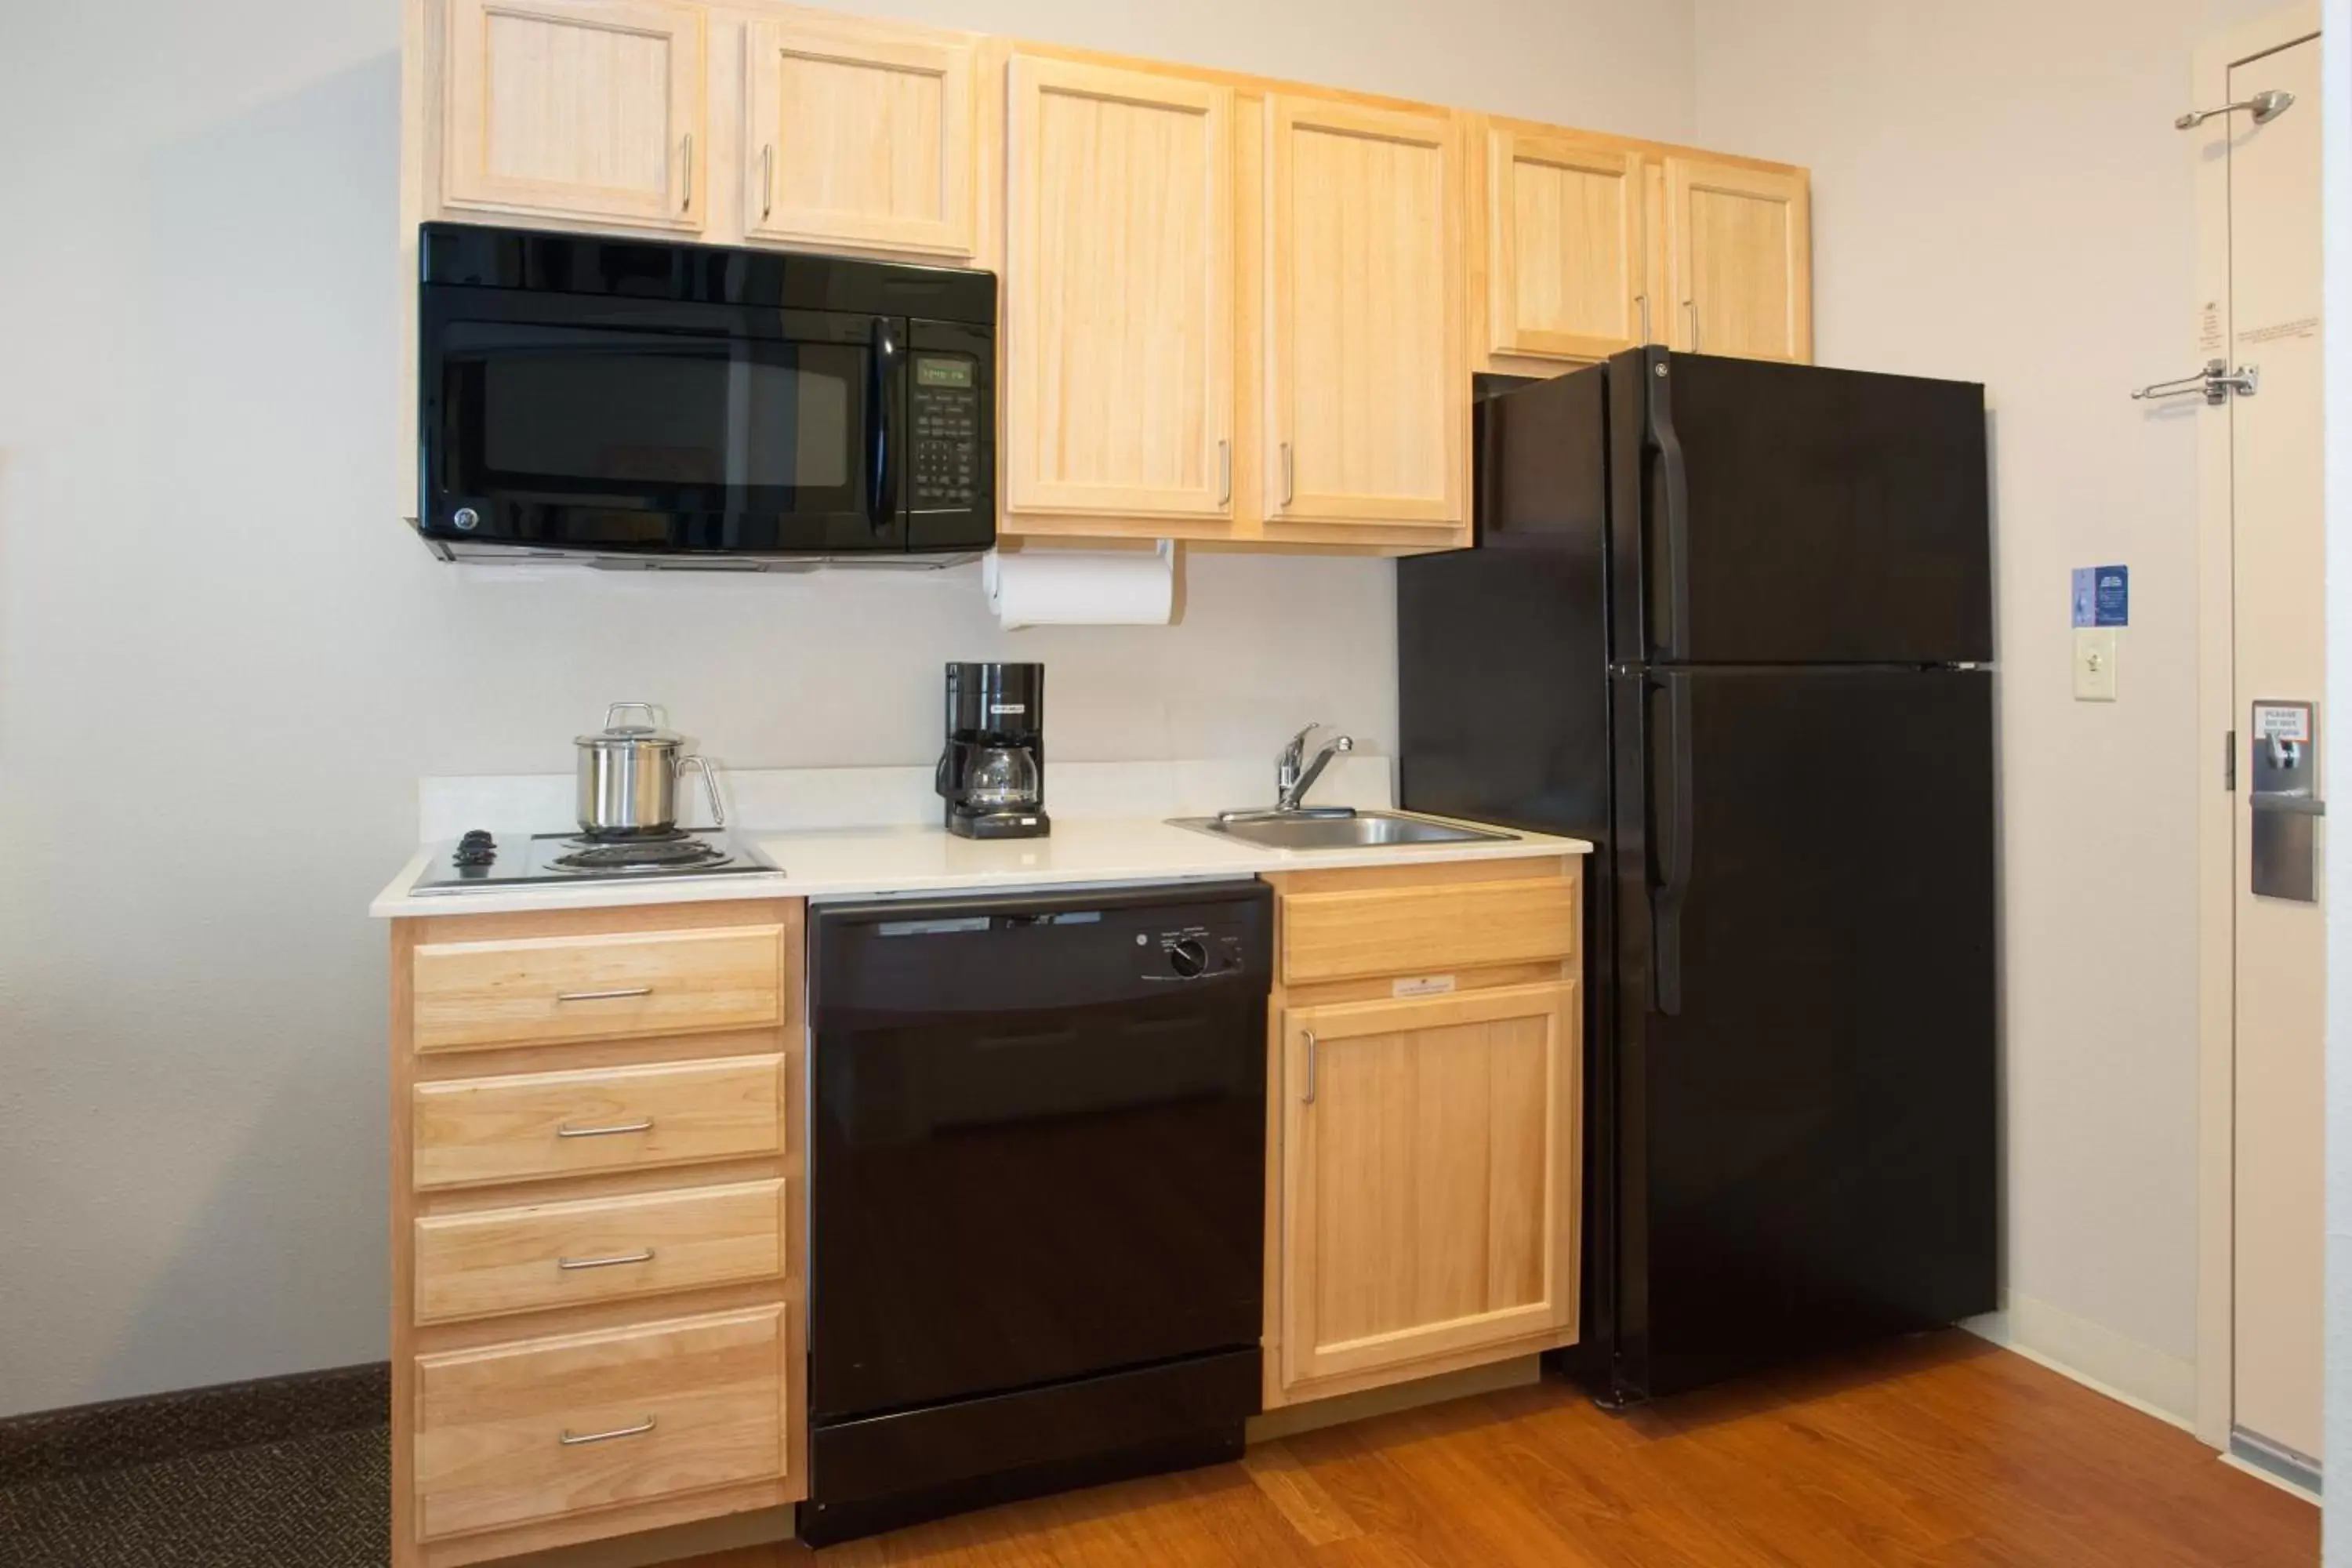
991 773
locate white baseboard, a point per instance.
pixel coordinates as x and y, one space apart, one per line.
2141 1376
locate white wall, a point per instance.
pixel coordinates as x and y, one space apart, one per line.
2335 152
1999 195
222 665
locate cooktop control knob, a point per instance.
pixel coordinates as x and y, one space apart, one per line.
475 849
1187 957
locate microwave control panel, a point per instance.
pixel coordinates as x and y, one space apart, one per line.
946 447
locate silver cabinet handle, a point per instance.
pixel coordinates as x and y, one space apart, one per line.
1289 476
565 1129
1225 472
1642 300
1692 306
767 179
1308 1097
686 204
618 1258
605 995
572 1439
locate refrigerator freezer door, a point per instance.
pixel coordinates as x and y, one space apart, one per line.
1788 514
1803 1079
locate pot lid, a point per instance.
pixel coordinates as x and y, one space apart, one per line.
613 734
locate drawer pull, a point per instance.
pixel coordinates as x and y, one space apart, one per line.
647 1255
572 1439
566 1130
605 995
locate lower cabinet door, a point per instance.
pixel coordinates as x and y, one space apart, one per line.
514 1433
1430 1180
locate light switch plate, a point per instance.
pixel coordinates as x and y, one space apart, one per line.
2095 664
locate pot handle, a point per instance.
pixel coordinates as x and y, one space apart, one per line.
652 711
709 783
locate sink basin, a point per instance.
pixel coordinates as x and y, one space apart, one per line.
1366 830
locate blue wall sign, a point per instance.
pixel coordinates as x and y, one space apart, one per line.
2102 595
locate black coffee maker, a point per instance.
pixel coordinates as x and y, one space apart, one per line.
993 773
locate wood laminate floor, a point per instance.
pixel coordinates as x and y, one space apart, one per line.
1940 1450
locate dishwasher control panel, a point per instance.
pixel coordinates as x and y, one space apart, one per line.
1191 951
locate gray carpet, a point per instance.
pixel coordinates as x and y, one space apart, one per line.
314 1502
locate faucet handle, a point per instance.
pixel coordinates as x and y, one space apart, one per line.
1296 752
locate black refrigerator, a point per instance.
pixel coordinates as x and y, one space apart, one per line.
1731 621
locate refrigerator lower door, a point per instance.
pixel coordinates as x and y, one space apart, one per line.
1803 1079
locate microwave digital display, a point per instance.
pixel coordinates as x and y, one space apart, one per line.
942 372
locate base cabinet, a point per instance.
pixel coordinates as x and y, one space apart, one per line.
1424 1177
598 1262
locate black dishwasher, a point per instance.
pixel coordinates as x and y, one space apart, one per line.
1036 1194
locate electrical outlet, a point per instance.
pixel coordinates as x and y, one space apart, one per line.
2095 664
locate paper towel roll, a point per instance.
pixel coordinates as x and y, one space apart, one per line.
1081 587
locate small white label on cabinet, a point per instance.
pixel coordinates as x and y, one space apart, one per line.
1422 986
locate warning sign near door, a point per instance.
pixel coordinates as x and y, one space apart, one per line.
2282 721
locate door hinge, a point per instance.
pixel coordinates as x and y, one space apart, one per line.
2230 762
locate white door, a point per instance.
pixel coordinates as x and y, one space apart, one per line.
2272 325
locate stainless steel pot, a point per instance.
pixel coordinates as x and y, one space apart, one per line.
629 773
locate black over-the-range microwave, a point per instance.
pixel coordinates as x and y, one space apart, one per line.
628 402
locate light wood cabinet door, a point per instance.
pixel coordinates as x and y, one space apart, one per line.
1565 256
1119 292
1367 392
1430 1179
1739 260
579 109
860 134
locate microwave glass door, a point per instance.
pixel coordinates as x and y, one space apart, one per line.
608 435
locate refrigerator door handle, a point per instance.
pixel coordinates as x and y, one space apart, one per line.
1670 795
1672 572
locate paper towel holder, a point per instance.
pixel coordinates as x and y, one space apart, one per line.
1163 552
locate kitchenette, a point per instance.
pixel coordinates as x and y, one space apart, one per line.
821 1151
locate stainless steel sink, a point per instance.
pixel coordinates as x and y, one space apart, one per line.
1366 830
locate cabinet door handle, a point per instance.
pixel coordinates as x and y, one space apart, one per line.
767 180
566 1130
686 203
1308 1097
605 995
573 1440
1692 306
1225 472
645 1255
1643 301
1289 476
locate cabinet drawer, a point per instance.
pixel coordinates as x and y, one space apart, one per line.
519 1431
604 1118
538 990
480 1264
1351 934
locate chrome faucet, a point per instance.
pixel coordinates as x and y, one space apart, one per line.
1291 781
1293 776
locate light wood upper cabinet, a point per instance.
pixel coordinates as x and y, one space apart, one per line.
579 109
1566 260
1119 294
1368 384
859 133
1739 260
1428 1200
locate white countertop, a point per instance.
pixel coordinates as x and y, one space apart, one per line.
869 862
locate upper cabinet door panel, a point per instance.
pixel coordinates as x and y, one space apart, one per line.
1741 256
580 109
1565 257
1119 288
1368 406
860 134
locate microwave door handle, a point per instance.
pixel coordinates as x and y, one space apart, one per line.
885 435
